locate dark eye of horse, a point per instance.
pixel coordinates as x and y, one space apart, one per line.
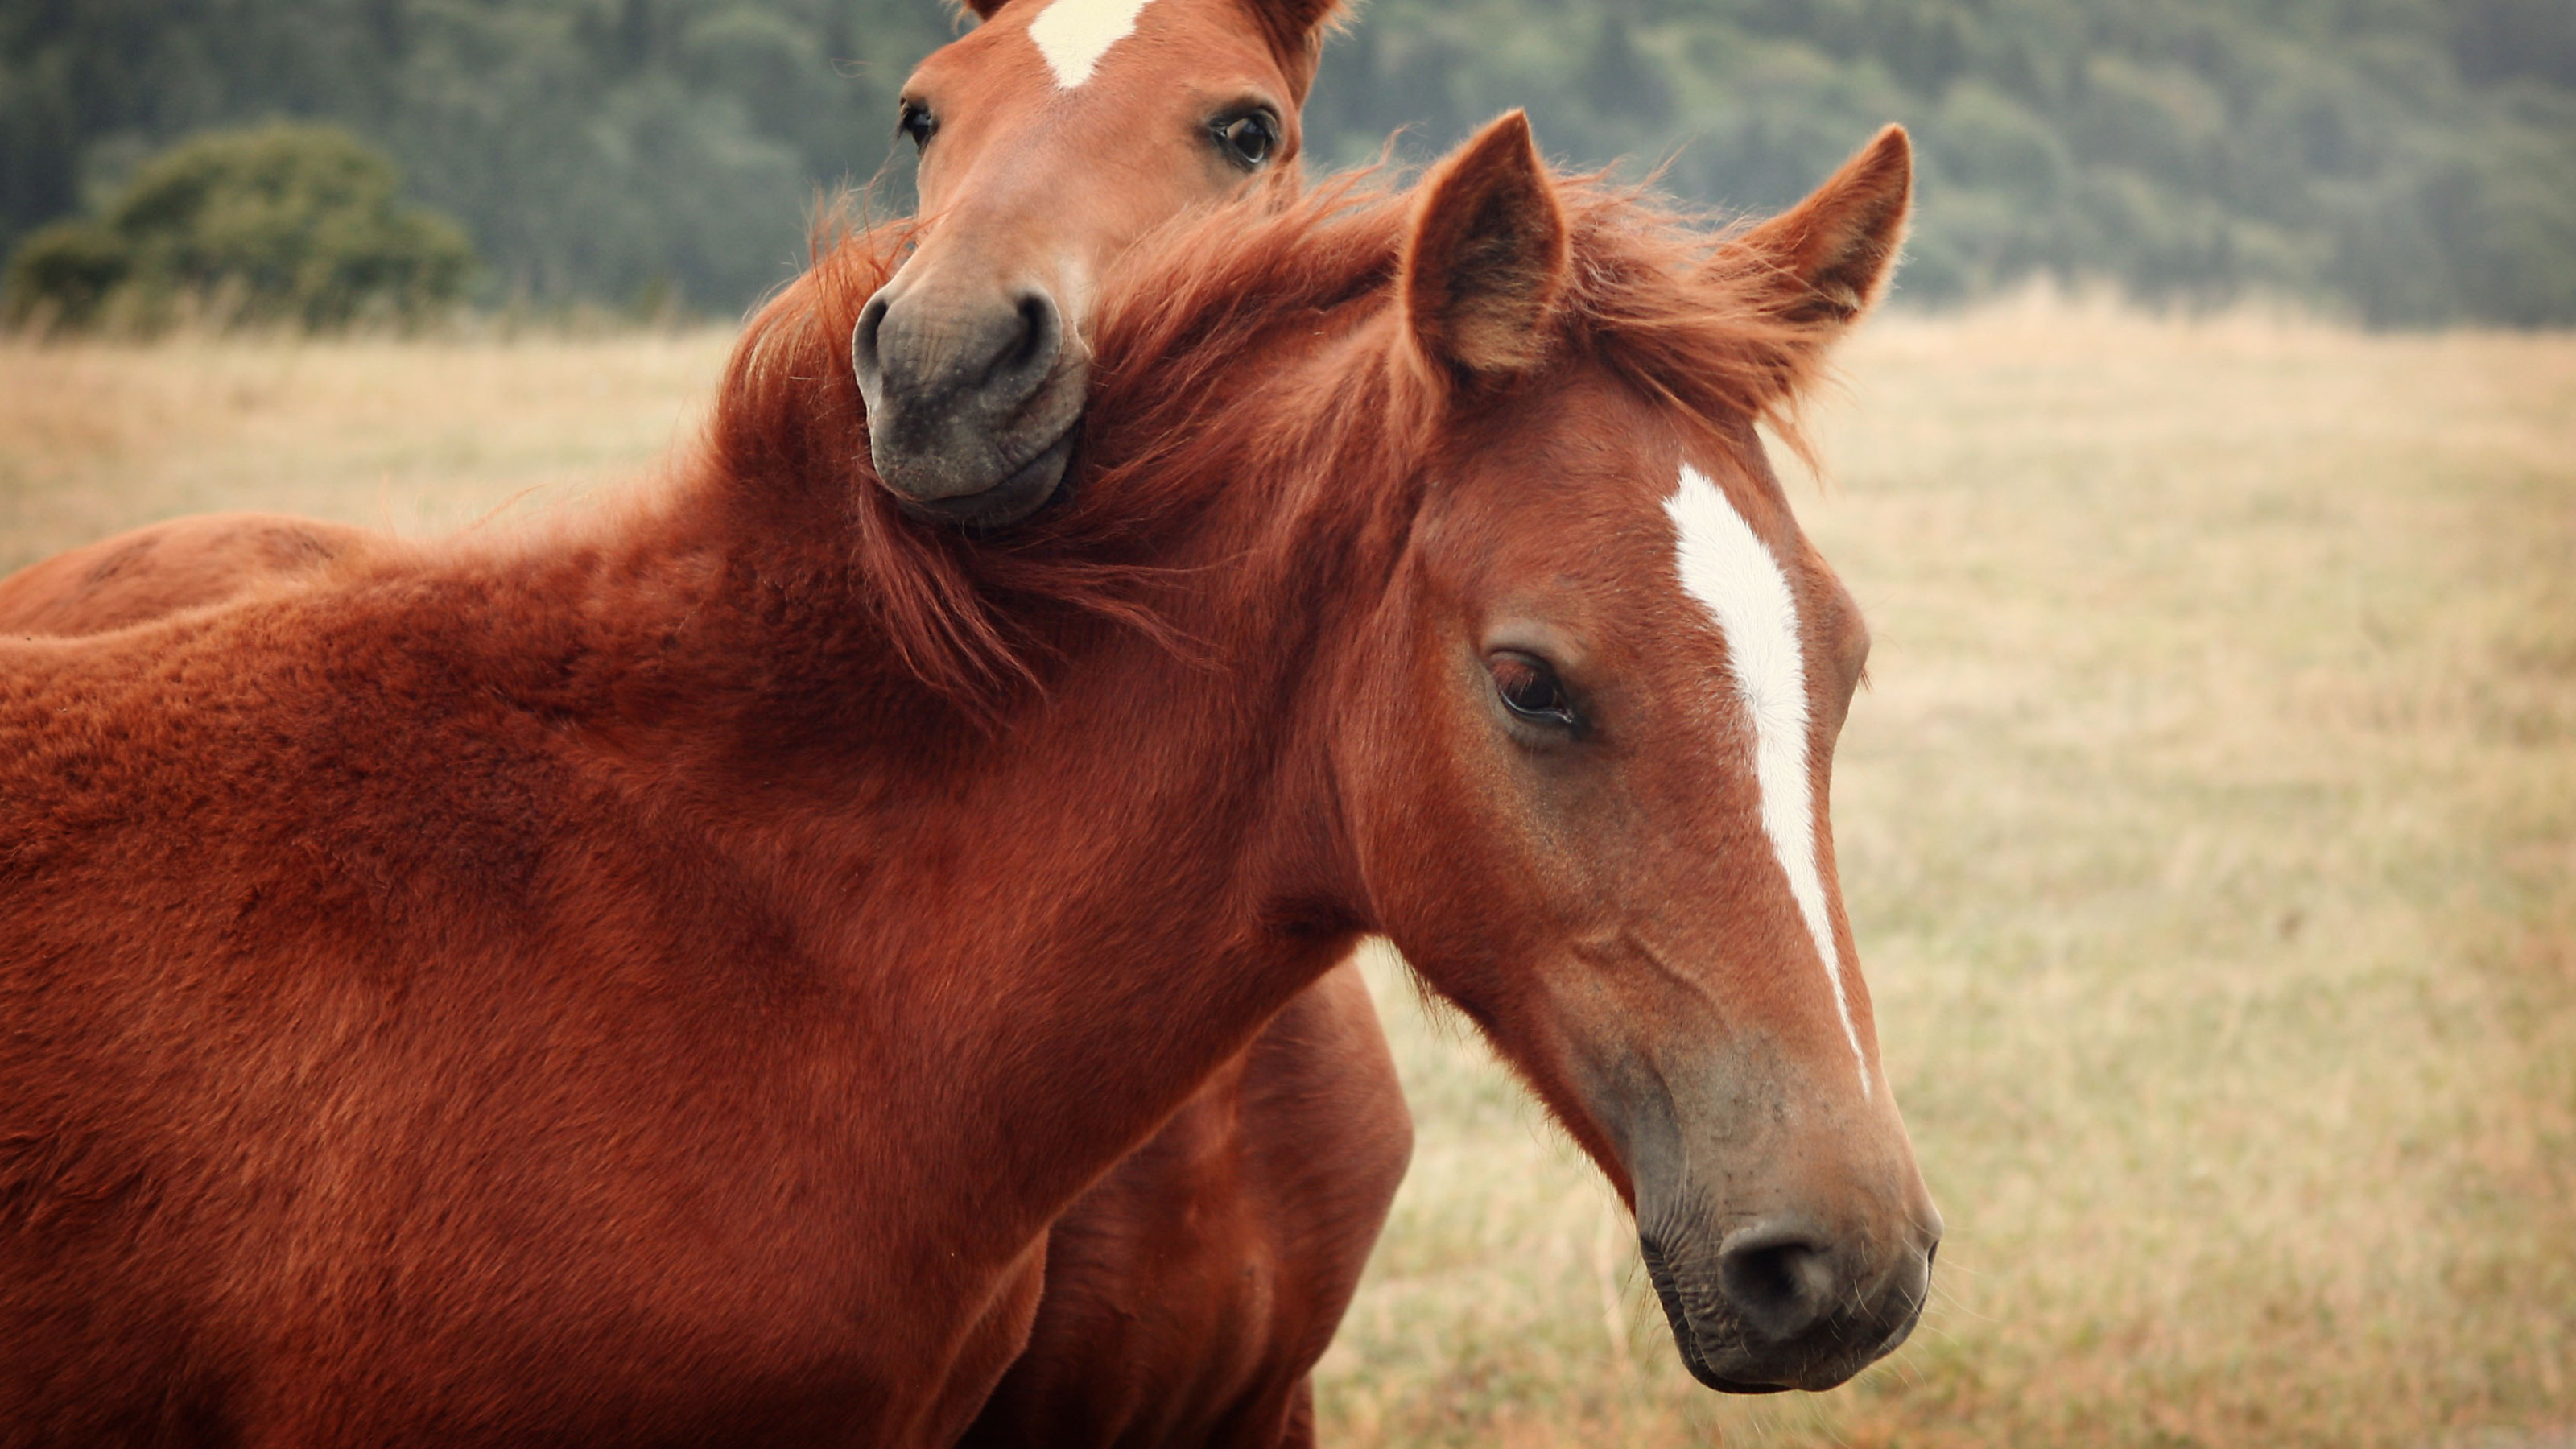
917 122
1247 139
1529 689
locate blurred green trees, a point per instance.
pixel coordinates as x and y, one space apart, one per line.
612 150
2407 161
292 223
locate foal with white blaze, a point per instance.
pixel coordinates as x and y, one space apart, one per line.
1661 950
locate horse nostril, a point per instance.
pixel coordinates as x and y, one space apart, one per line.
1040 336
863 339
1778 1282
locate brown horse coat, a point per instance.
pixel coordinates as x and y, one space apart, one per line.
1190 1291
160 569
1132 150
1223 1252
609 988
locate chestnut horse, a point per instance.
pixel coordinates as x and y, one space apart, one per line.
1193 1289
608 987
1051 137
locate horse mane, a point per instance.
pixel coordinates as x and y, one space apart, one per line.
1669 298
1666 298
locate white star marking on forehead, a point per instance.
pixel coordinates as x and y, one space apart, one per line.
1074 34
1725 566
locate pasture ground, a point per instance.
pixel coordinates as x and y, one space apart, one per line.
2209 831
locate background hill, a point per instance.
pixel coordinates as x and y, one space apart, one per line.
2404 161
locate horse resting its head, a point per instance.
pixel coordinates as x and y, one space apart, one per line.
1524 658
1051 138
1581 718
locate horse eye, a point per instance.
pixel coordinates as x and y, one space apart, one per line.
1247 139
917 122
1531 690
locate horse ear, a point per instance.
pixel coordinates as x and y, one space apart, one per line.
1833 252
984 9
1302 19
1486 259
1297 31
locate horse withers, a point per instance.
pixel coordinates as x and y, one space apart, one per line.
609 990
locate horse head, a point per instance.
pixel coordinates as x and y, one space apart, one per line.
1051 137
1585 753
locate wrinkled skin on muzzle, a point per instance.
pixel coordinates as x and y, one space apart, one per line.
971 406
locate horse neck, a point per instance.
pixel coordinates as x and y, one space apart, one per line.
1069 917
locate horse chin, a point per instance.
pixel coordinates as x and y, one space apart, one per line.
1021 492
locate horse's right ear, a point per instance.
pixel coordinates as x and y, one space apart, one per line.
1486 259
1830 255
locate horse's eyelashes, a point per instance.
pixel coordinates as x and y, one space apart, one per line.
917 122
1531 690
1249 138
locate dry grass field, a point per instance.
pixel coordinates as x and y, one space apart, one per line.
417 437
2210 833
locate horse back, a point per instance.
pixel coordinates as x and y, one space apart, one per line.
158 570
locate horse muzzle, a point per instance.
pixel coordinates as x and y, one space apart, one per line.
1778 1304
1786 1229
971 402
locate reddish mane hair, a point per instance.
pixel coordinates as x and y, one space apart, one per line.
1660 295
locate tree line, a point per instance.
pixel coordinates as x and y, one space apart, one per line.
2402 161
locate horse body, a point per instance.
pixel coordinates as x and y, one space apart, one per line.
1225 1248
1023 200
574 1046
661 983
1187 1294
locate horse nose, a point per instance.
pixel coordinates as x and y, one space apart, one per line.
1029 351
924 360
1779 1277
1808 1311
972 394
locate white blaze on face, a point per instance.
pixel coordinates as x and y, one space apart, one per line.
1074 34
1725 566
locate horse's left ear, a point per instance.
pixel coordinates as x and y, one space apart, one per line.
1486 259
1832 253
1299 18
1297 31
